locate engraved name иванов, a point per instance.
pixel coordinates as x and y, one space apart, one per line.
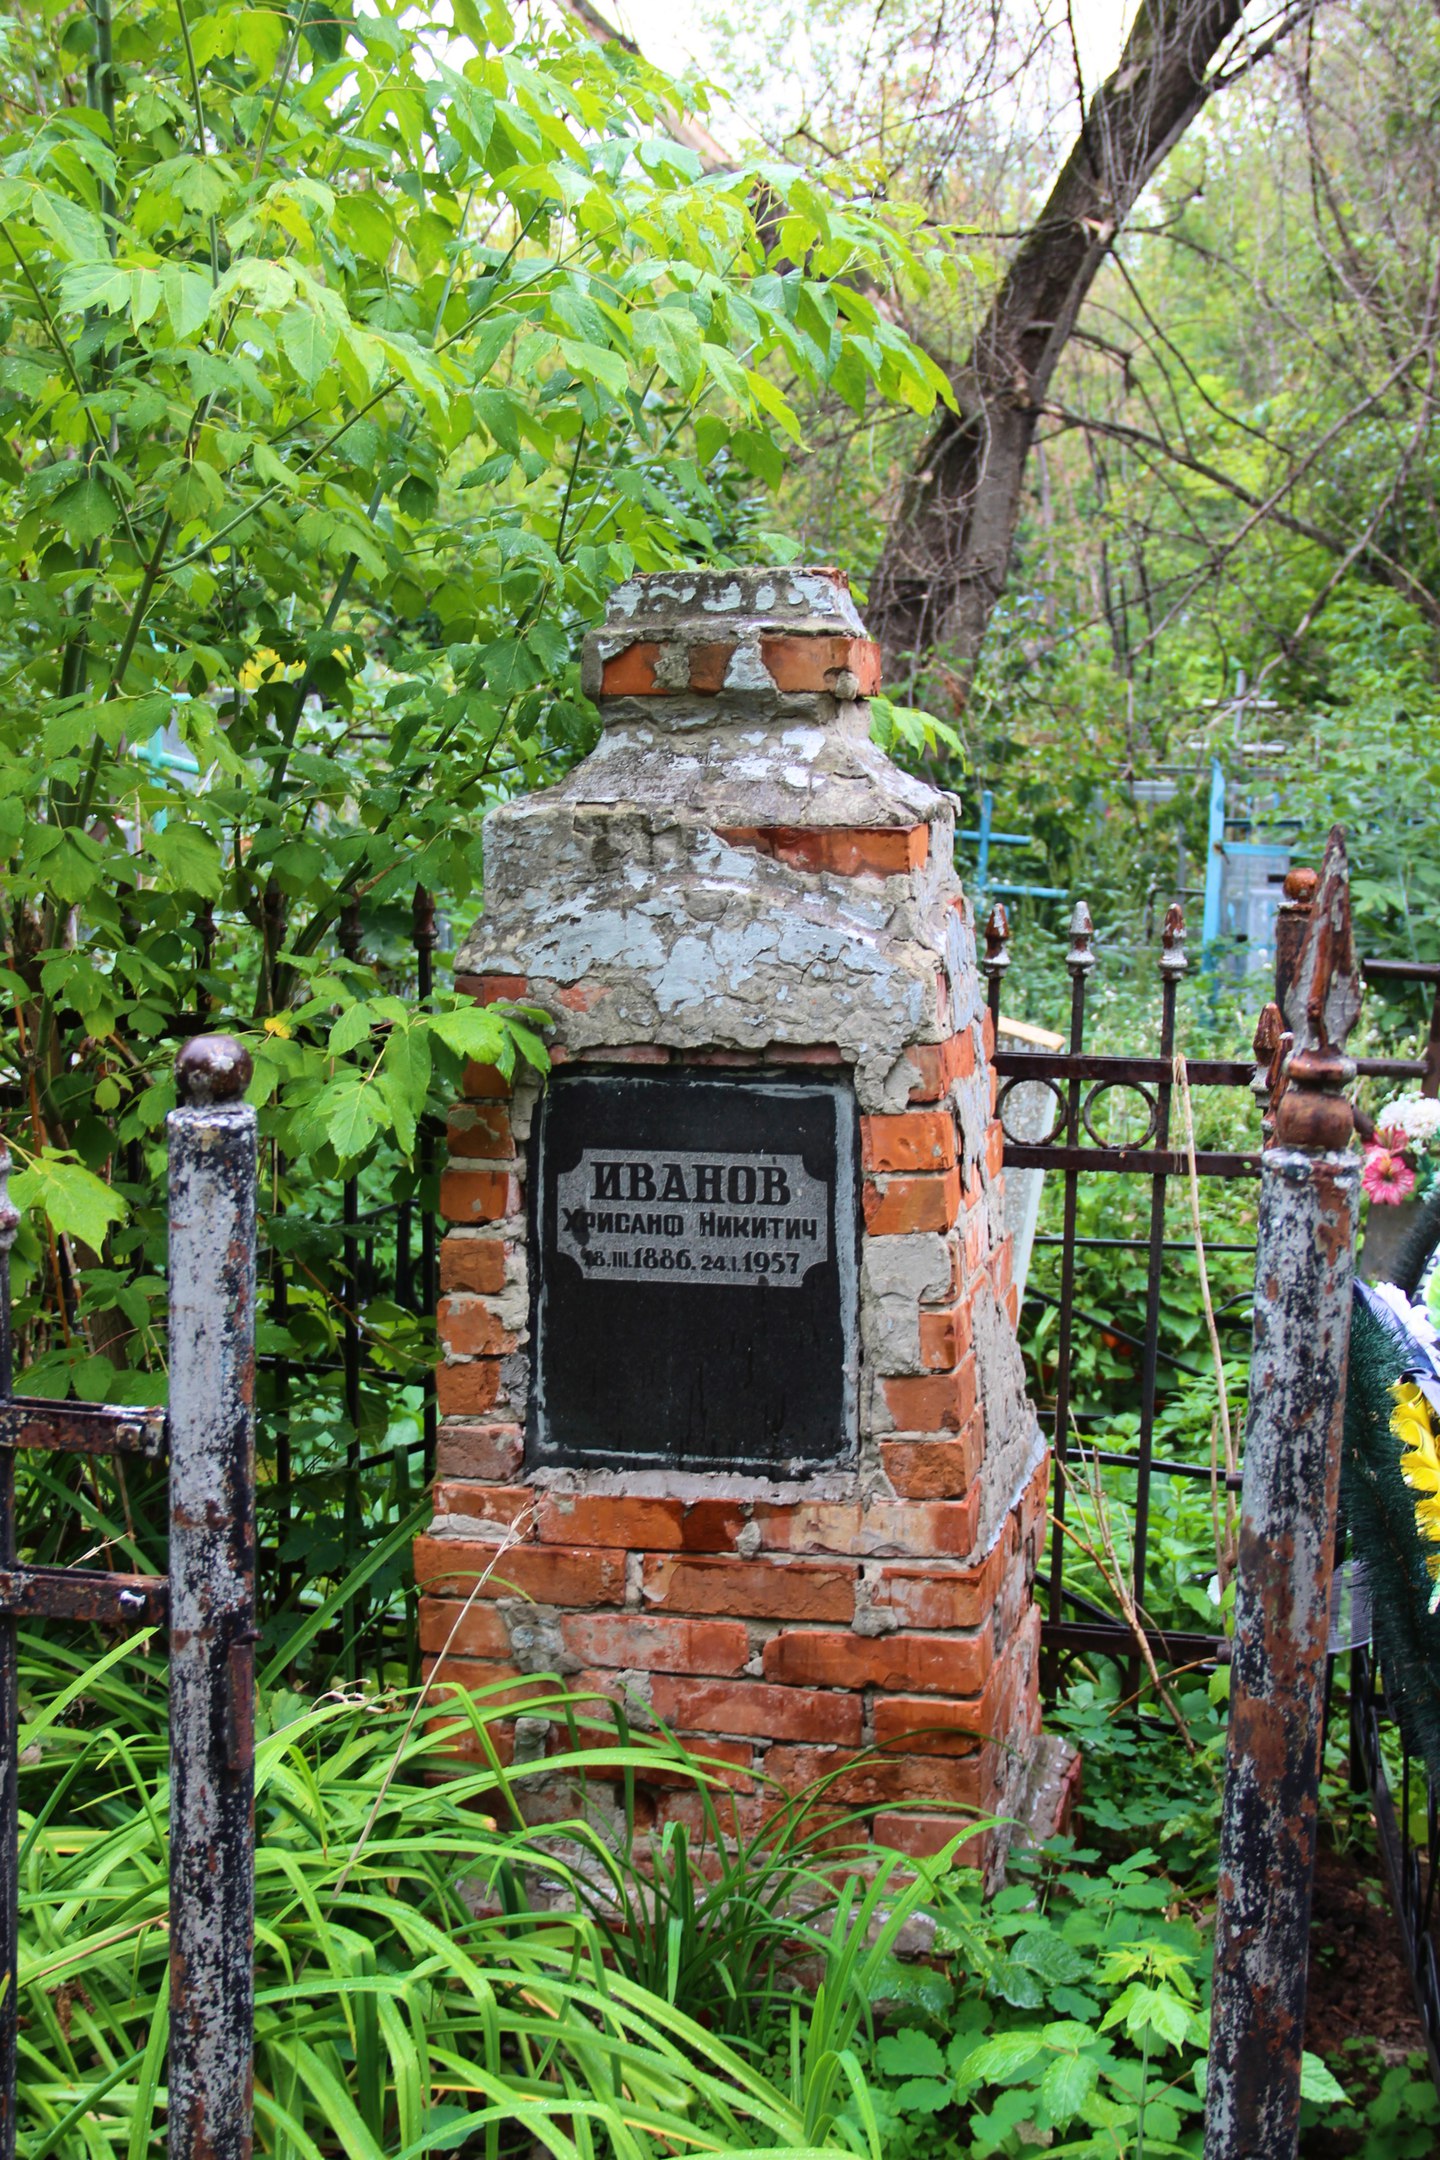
709 1217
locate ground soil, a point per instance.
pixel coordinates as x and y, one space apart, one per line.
1359 1983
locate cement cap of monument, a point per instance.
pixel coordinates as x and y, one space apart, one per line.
744 638
737 699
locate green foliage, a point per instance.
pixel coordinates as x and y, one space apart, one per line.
345 366
434 1974
345 369
907 734
1072 2017
1398 2120
1140 1781
428 1976
724 1923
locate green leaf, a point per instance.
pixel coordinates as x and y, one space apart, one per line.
1150 2009
74 1201
473 1031
350 1030
348 1110
187 295
594 363
86 511
402 1111
528 1043
726 370
308 341
78 234
1317 2083
408 1064
997 2061
909 2053
924 2095
1067 2085
1047 1953
194 492
189 858
90 285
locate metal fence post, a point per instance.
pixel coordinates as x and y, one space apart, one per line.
212 1603
9 1710
1303 1265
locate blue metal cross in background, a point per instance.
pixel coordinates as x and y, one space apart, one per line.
986 835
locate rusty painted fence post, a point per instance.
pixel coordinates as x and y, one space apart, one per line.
9 1710
212 1603
1303 1266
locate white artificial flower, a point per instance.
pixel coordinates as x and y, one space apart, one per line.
1417 1116
1415 1317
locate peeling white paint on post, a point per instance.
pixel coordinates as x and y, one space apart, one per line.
212 1603
1303 1265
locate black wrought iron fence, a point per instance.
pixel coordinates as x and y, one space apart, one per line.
347 1388
1116 1114
1085 1137
345 1379
1404 1800
1406 1814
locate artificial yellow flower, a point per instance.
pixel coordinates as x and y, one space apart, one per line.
1413 1423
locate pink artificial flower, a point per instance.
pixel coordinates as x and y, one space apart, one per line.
1386 1176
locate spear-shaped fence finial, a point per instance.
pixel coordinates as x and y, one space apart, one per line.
1173 959
997 941
1081 956
1321 1002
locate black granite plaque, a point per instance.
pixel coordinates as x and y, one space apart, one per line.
695 1298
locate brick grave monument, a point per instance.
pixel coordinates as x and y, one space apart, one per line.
730 1364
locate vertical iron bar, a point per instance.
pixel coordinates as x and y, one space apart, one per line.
424 935
1172 967
284 1463
1287 1534
352 1618
1303 1268
9 1710
205 935
350 1366
404 1281
272 922
1080 960
212 1602
1430 1085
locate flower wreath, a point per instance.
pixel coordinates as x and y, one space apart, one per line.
1402 1161
1390 1500
1414 1425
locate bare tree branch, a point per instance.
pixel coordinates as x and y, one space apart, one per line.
947 554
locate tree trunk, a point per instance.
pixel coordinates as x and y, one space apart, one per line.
947 554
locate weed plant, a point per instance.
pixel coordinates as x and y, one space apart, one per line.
431 1974
436 1975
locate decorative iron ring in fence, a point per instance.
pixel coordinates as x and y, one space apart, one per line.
1129 1087
1026 1139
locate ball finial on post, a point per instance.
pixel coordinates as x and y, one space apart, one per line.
212 1069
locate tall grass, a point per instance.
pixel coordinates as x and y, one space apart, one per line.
432 1975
